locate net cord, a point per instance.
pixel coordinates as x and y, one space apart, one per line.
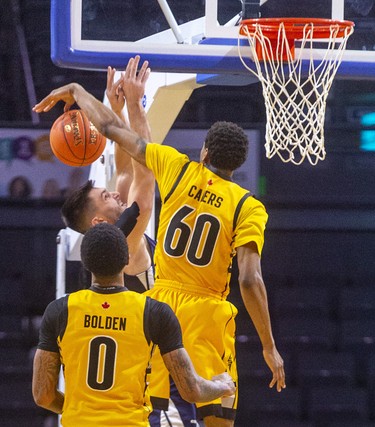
295 104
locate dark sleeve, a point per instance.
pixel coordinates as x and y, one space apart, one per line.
53 324
128 219
162 326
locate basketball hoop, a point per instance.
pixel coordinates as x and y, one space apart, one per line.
295 102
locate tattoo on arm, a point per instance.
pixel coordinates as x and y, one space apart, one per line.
192 386
142 146
182 372
45 379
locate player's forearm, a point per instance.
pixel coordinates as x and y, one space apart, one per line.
255 300
56 405
109 124
191 386
138 120
104 119
46 370
208 391
120 114
253 291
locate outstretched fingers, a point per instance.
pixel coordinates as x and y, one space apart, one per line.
144 73
276 364
61 94
110 77
131 68
44 105
132 72
114 91
278 379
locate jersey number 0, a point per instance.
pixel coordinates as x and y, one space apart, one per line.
101 363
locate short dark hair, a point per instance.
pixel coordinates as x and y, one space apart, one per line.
104 250
227 145
76 207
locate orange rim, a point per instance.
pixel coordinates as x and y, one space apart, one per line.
294 27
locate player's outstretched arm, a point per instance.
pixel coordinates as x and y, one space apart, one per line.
103 118
133 85
254 296
134 182
46 371
192 387
124 163
142 188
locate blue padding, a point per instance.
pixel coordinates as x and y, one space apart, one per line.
227 79
63 55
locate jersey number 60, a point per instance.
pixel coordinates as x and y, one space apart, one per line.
198 242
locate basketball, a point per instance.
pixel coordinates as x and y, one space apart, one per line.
74 140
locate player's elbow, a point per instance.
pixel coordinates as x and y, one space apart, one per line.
110 125
42 399
250 281
107 128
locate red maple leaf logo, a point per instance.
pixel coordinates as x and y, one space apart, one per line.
210 182
105 305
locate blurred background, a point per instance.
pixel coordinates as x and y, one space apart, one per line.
318 259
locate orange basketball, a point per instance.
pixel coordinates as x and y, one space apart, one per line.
75 140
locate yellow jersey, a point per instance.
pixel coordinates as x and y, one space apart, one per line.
204 217
105 340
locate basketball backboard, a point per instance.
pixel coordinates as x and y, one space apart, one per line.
191 37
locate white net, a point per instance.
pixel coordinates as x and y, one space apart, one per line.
295 87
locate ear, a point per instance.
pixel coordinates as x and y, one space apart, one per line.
205 157
96 220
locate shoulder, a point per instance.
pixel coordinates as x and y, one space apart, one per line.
253 203
253 211
159 309
57 305
161 314
165 330
164 151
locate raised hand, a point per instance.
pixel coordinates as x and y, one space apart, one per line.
134 81
114 92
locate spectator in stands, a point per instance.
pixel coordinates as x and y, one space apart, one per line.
75 180
20 188
51 189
